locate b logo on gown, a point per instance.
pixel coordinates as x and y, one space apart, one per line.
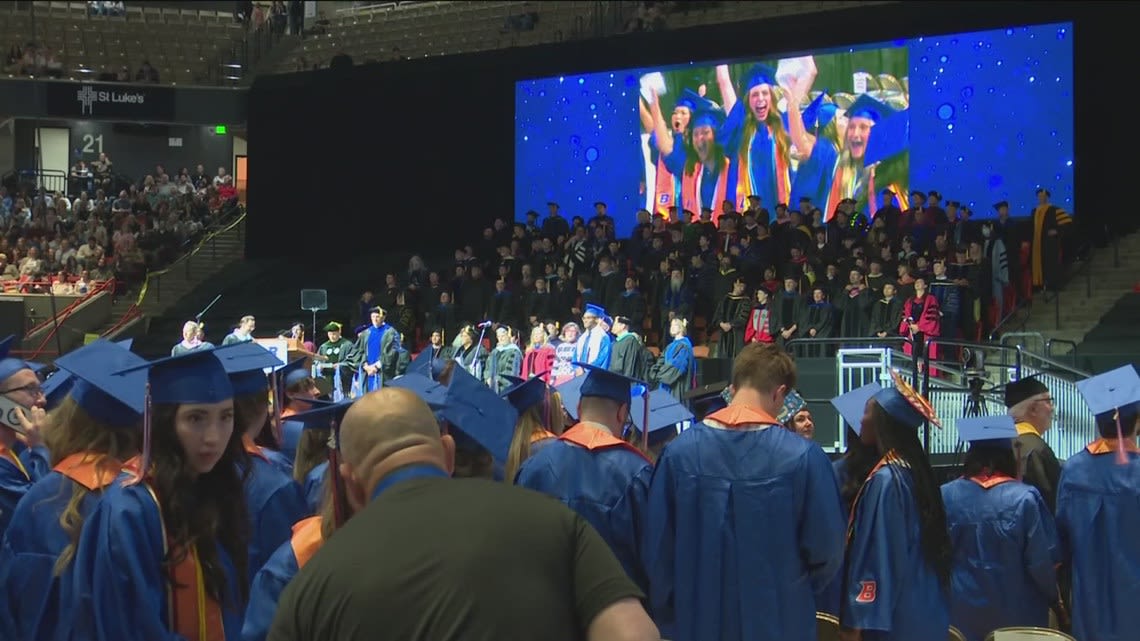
867 593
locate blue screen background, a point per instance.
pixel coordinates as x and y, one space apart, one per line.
991 118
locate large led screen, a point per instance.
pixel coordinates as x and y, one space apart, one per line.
979 117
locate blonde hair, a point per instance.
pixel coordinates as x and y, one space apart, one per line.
532 422
312 450
74 431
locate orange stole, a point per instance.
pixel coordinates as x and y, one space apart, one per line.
92 471
887 459
987 481
691 189
251 448
191 612
307 539
1109 446
594 439
11 456
665 192
744 179
541 435
741 416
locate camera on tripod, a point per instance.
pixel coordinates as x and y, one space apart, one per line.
974 370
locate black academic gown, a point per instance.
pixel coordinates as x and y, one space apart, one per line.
627 356
787 310
734 311
1038 464
886 315
855 306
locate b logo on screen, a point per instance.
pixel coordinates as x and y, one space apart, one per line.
89 96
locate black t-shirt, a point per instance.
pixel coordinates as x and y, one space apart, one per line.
455 560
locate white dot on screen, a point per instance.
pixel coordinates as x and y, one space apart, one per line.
526 138
950 127
1069 164
1058 79
940 70
1032 78
960 158
561 79
581 81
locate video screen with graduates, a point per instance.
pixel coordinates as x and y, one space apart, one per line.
982 117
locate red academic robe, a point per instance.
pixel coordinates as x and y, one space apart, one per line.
926 314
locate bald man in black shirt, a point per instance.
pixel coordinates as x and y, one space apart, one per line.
427 558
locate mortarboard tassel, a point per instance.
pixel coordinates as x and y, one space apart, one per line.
1121 457
144 456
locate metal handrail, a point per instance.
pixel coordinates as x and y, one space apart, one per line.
157 275
1049 345
59 319
66 311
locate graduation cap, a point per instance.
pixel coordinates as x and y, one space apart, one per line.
116 400
196 377
332 326
689 99
57 387
665 411
424 365
707 399
867 107
793 404
759 74
480 414
1114 395
245 364
998 205
810 113
422 386
594 310
602 383
523 395
1023 389
904 404
708 118
330 416
9 365
889 137
853 404
988 431
290 374
827 112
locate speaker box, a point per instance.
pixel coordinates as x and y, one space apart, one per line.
12 319
314 299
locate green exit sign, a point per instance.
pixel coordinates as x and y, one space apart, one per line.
220 130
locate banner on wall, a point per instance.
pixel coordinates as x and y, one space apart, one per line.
102 101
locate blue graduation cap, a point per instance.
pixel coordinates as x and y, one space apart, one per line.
987 431
117 400
427 389
793 404
594 310
57 387
827 113
867 107
601 382
903 403
289 375
524 395
690 99
665 411
571 393
246 364
480 414
9 365
1108 393
759 74
193 377
708 118
890 137
810 114
852 404
323 415
126 343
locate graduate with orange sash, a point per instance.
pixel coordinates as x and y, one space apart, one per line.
23 457
163 556
96 429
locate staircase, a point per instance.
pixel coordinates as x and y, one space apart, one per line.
164 288
1080 308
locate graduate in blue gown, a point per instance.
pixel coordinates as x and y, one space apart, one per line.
96 429
1097 512
897 568
294 388
480 421
851 470
1005 541
596 473
23 457
273 499
743 524
540 421
163 556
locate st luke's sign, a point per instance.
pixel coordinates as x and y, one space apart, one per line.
103 101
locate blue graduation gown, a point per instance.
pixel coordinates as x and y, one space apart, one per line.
265 592
603 479
1098 520
14 482
275 503
890 591
290 438
119 586
1005 556
743 526
314 489
279 460
827 599
29 589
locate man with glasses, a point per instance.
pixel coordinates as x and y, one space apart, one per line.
1031 406
23 457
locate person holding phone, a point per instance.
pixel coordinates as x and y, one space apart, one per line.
23 456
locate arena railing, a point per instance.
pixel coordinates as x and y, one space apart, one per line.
152 283
56 320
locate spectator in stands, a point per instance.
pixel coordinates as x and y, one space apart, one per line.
147 73
7 271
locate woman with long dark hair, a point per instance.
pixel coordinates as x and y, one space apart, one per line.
94 431
164 555
897 569
1005 542
273 501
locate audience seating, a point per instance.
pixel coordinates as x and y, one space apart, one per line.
184 45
